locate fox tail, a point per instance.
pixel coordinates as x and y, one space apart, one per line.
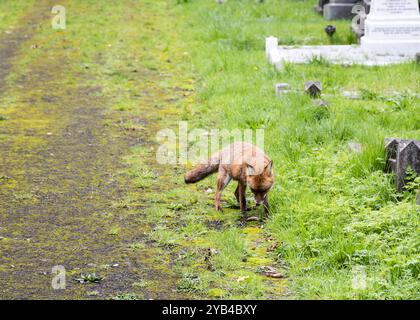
201 171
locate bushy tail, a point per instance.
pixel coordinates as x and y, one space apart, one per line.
201 171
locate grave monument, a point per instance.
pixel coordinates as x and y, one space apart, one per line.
392 27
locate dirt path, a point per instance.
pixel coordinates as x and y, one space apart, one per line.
58 183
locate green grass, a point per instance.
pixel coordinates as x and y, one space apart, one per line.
11 11
332 210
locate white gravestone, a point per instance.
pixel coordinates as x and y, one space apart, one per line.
392 27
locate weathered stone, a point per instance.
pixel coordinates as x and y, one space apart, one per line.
402 154
320 6
321 103
339 9
282 88
313 88
418 199
354 95
355 147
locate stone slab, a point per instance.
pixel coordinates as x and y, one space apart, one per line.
282 88
336 54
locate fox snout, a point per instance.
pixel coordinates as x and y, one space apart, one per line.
259 198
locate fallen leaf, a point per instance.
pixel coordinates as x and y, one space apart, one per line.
242 278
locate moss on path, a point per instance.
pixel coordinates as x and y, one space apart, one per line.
60 169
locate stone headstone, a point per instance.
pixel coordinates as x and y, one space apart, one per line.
392 27
400 155
418 199
321 103
339 9
320 6
313 88
282 88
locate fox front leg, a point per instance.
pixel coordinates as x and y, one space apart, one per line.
266 205
242 197
223 180
242 203
237 194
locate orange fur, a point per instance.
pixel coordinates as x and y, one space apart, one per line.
242 162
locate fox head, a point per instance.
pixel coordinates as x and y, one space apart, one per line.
261 183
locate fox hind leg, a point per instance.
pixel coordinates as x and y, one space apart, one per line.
223 180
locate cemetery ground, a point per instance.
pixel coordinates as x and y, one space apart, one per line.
80 186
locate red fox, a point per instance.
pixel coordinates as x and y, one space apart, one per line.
242 162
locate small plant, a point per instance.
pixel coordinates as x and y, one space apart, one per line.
22 196
176 206
137 246
114 231
3 118
319 61
141 284
320 112
126 296
189 283
367 94
412 181
400 102
89 278
257 122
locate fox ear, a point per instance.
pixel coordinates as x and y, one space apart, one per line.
269 168
250 171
